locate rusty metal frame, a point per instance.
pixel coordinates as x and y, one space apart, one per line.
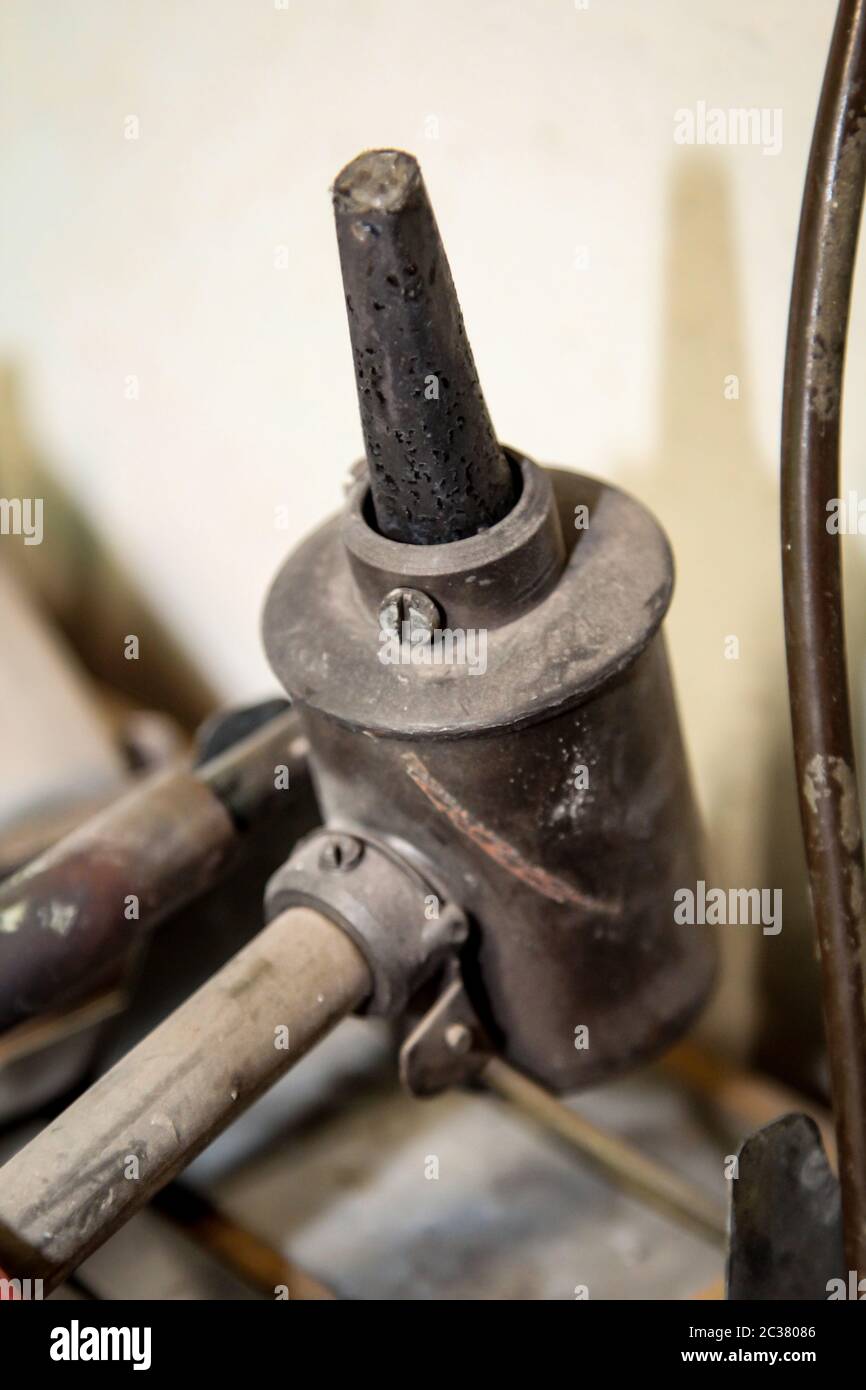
811 559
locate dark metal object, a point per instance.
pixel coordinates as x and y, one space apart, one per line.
256 775
394 916
786 1216
80 1179
72 921
814 625
437 472
549 793
536 779
228 726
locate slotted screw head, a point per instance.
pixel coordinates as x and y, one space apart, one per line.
458 1038
339 853
409 606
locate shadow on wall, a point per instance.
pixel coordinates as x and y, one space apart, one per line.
718 498
83 585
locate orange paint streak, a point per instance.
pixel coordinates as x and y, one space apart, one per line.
497 849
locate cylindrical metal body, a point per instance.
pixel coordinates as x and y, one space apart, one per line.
548 792
80 1179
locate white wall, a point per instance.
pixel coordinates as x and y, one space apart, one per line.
542 127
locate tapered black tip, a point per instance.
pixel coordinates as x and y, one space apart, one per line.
437 472
378 181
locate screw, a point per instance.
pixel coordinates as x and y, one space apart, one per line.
408 606
458 1038
339 853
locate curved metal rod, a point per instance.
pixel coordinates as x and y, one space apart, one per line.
811 564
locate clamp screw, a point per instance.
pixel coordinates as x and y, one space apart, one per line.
458 1038
409 606
339 853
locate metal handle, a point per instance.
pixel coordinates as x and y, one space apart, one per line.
69 1189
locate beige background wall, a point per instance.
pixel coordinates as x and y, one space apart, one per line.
611 280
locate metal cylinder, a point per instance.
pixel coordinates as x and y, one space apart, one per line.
548 791
80 1179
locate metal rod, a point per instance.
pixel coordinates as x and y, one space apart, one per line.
71 920
251 1259
437 472
811 561
667 1191
69 1189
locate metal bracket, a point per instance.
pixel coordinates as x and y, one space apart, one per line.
394 915
449 1047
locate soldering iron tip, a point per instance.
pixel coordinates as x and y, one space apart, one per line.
436 470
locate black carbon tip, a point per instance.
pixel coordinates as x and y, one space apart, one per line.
437 472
